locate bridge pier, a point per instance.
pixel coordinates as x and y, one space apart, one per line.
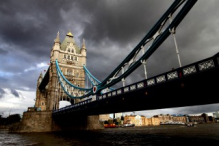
42 121
34 121
77 123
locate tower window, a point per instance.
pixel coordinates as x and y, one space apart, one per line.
69 57
69 72
72 50
68 50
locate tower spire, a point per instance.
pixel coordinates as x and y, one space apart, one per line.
57 38
83 44
70 33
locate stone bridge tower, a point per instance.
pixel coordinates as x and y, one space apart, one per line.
71 59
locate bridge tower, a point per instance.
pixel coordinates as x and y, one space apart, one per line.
71 59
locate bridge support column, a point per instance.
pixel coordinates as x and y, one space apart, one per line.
34 121
38 121
77 123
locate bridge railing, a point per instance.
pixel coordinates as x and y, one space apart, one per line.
74 105
187 70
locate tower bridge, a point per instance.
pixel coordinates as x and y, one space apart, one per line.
193 84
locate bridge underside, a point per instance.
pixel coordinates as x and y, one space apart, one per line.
197 89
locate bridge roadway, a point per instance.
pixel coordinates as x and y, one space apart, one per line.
193 84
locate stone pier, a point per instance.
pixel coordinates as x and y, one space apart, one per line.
42 121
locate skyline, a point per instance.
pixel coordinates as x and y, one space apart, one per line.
111 30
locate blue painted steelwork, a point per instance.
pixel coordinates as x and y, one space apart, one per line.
155 34
69 83
92 78
90 75
74 97
60 75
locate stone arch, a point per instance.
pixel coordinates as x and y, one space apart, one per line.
65 101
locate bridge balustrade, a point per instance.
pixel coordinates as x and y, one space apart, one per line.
168 76
74 105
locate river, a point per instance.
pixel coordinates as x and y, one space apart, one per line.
171 135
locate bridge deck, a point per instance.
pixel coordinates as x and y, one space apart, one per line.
194 84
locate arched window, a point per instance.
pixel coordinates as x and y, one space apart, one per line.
69 72
72 50
69 50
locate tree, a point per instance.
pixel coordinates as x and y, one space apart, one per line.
13 119
122 118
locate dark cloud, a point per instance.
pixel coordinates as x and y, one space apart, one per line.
3 52
2 92
111 30
15 93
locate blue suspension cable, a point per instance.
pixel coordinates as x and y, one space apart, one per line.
61 76
72 85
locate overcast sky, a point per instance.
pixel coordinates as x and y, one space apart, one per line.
111 29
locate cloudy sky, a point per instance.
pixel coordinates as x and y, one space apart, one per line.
111 29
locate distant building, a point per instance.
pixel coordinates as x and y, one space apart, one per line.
205 116
216 115
171 118
118 115
179 118
104 117
152 121
198 119
211 119
164 118
141 120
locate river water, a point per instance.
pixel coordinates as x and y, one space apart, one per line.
171 135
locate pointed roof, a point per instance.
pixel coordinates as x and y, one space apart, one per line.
83 44
41 75
69 39
57 38
70 34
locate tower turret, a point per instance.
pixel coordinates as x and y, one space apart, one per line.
39 79
83 49
55 49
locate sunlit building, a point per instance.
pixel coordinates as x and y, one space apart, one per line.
142 120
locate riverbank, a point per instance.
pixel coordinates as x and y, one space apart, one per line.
4 127
203 134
